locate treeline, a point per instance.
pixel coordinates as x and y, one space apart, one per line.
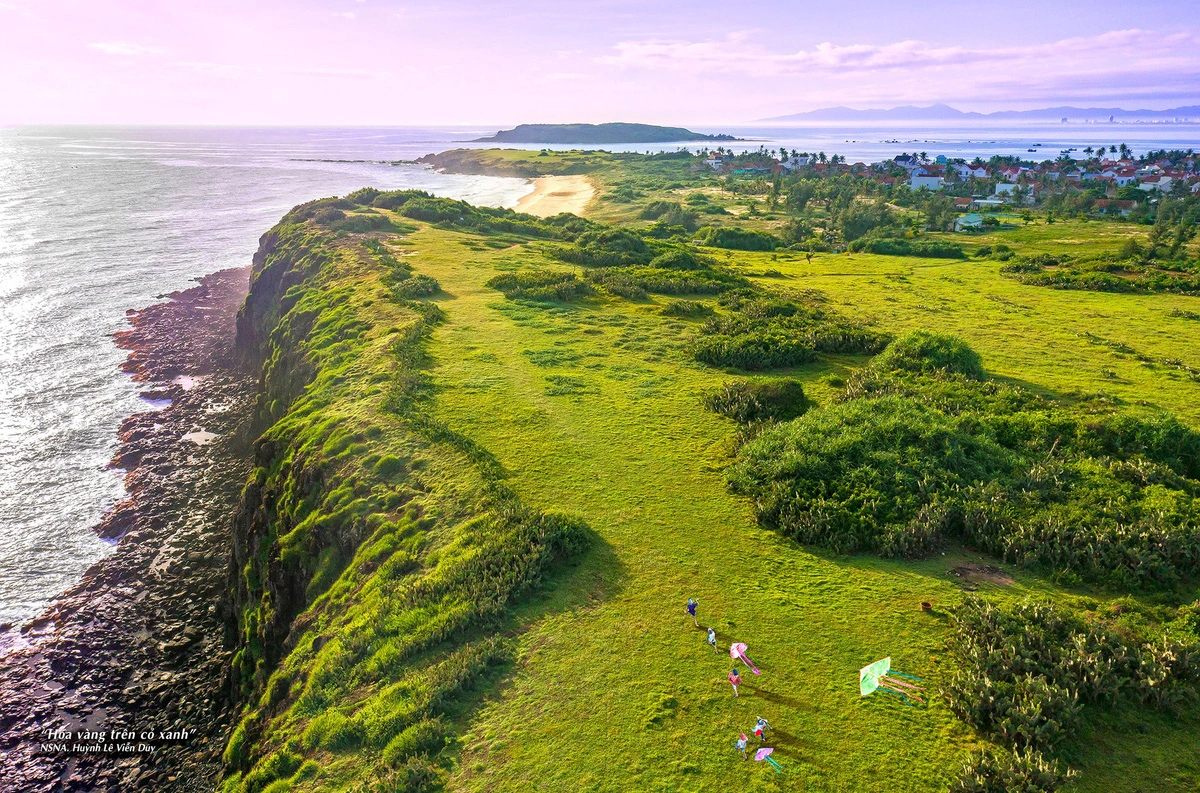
921 448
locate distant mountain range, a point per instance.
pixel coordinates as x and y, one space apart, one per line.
597 133
946 113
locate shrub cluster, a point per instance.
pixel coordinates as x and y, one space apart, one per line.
1026 673
931 249
686 309
637 282
737 239
669 213
748 402
541 285
1106 274
918 449
765 332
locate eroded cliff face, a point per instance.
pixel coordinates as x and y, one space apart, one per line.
374 550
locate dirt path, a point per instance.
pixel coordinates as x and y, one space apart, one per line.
554 194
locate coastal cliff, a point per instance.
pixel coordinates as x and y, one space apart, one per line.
376 551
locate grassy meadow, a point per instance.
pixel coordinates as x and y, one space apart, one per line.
595 408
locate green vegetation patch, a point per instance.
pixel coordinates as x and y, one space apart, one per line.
762 331
913 455
1029 673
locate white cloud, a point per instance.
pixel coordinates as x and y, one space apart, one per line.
124 48
1121 63
1136 49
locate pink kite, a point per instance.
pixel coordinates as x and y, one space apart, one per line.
737 651
765 754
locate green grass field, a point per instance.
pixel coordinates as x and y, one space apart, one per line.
595 409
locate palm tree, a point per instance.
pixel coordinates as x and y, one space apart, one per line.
821 156
1088 151
1100 152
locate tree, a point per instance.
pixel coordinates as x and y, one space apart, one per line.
1125 152
1088 151
1100 152
939 213
821 156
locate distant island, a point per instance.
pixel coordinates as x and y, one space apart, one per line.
942 112
598 133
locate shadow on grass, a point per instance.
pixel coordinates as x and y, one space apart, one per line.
595 577
775 698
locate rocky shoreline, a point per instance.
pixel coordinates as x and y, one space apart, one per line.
139 643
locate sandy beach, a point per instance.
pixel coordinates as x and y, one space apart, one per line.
554 194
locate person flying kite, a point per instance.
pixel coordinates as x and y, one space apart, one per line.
765 754
760 729
737 651
735 680
691 609
712 640
740 745
880 676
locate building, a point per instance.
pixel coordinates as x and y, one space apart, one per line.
1162 184
971 222
925 183
717 160
967 171
1110 205
796 162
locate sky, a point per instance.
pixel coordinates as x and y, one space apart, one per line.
392 62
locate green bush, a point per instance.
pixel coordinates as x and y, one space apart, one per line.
1018 772
747 402
932 249
669 212
925 351
687 309
607 247
661 281
762 332
738 239
541 285
417 286
919 449
333 731
426 737
676 259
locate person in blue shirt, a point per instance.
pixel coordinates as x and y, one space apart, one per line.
691 609
741 745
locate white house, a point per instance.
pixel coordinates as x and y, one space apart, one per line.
1161 183
926 183
797 161
966 171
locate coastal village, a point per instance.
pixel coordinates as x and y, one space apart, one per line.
1090 181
